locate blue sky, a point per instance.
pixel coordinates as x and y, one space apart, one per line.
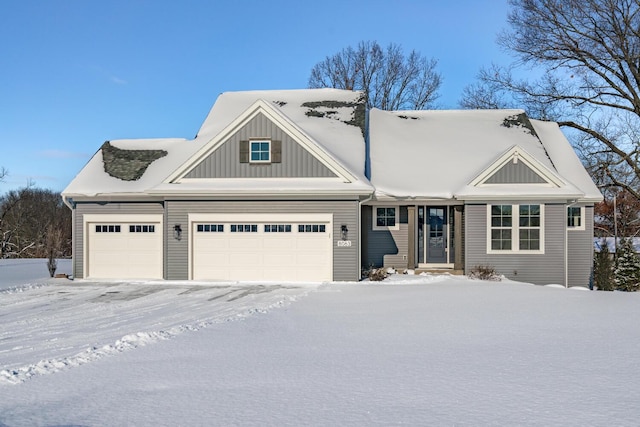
75 73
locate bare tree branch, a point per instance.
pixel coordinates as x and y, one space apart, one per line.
390 80
582 60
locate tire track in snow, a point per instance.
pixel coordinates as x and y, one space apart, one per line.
93 312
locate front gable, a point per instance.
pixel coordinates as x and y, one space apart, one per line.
297 155
287 158
516 166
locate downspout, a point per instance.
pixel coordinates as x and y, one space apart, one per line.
69 202
567 205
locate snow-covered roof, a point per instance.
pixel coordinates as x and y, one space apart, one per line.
413 154
440 155
333 120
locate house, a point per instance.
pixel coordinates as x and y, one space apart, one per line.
307 185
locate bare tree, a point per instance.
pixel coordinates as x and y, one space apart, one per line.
3 173
54 241
390 80
582 61
25 218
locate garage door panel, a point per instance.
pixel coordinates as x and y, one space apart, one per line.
243 242
271 252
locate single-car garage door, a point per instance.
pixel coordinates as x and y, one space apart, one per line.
298 248
124 249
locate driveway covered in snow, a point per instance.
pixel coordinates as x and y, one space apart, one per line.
54 325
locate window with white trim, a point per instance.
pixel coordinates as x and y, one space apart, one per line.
260 151
515 228
501 227
529 227
575 217
385 218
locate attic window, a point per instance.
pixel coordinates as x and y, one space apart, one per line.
260 151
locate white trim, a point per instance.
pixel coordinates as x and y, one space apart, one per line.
260 140
285 124
121 218
515 231
374 218
262 217
516 153
446 265
582 219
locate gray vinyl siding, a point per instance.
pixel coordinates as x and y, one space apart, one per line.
345 259
385 248
540 269
581 251
108 208
517 173
296 162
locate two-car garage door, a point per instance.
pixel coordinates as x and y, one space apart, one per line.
261 247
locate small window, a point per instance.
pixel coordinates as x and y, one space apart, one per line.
277 228
107 229
385 218
210 228
142 228
575 218
260 151
244 228
312 228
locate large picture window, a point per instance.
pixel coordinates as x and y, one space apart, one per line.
515 228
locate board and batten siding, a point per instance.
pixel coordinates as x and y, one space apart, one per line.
541 269
385 248
345 259
515 173
82 208
581 251
296 161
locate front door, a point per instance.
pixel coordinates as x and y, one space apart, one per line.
436 235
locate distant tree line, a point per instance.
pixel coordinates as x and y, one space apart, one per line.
34 223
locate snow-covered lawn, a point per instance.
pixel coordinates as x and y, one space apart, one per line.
410 351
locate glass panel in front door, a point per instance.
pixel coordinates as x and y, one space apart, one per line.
436 235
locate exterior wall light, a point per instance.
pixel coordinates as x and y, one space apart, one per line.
177 232
344 232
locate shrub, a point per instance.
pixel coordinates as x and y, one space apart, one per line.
603 268
375 274
484 272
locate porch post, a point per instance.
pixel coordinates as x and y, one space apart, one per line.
411 255
457 238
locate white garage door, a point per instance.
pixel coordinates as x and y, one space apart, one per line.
128 250
261 250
